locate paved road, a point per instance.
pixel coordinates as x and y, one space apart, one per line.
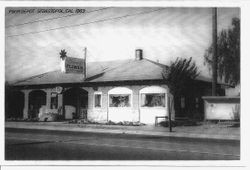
24 144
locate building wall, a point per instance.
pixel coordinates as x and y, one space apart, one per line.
134 113
103 114
97 114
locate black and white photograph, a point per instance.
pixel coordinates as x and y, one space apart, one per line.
122 83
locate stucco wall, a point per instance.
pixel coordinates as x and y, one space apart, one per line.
133 113
105 113
97 114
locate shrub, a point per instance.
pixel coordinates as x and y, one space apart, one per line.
179 123
50 117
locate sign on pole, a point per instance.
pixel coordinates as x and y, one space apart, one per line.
74 65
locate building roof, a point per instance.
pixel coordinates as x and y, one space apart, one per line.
120 70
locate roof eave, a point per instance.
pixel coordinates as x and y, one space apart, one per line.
90 84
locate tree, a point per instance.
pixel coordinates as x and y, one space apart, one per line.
180 75
7 99
63 54
228 53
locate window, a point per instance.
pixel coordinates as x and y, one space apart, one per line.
119 100
97 100
197 102
120 97
182 102
153 100
54 101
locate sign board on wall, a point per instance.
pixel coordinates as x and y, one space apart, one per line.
74 65
57 90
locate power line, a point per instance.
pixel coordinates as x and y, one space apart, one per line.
49 19
87 23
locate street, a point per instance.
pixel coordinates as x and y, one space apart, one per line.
24 144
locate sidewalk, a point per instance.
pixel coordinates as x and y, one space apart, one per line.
205 131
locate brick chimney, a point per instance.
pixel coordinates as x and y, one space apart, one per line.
138 54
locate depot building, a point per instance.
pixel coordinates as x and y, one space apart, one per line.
123 90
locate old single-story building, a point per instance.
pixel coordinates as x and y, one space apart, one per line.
124 90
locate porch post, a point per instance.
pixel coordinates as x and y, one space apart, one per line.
48 98
26 103
105 102
60 100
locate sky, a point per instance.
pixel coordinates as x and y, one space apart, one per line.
33 40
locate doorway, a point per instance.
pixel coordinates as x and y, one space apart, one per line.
37 99
15 104
75 102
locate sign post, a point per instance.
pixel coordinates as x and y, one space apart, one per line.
84 64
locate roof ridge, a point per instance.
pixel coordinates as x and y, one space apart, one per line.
154 62
110 60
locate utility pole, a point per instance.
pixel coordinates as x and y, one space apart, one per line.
84 64
214 65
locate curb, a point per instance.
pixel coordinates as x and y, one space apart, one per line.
204 137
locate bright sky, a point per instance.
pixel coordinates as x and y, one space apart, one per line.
163 33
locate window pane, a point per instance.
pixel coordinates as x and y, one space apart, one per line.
153 100
119 100
97 100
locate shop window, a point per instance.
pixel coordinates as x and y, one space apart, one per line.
97 100
54 101
153 100
119 100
